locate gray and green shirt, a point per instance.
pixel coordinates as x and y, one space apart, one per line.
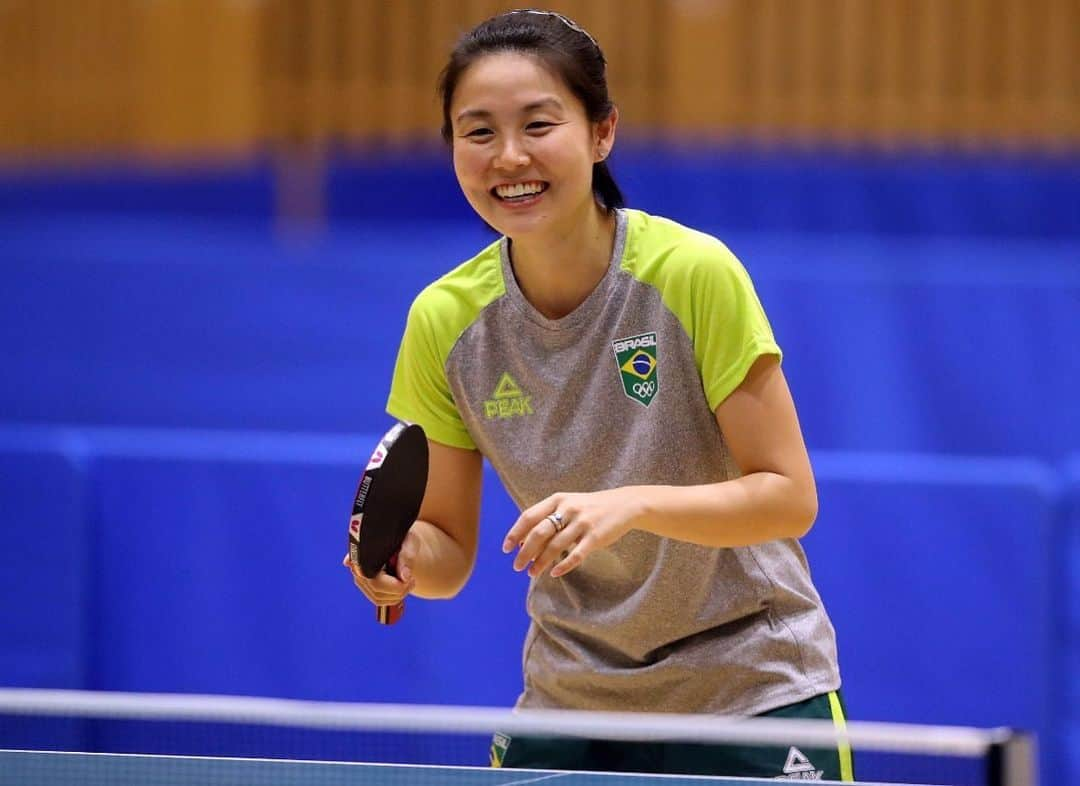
623 391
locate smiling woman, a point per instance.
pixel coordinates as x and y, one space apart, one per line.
524 153
619 372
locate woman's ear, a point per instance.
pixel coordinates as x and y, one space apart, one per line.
605 135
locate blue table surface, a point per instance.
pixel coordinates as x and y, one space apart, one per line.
32 768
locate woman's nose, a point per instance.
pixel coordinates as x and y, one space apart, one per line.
512 155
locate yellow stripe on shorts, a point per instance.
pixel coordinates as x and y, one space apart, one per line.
847 769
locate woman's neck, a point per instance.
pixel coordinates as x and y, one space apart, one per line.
558 270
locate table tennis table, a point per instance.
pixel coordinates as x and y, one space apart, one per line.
41 768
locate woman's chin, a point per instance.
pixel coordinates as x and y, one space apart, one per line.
517 223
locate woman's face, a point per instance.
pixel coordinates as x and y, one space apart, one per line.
523 146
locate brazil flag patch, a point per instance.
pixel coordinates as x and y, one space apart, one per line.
637 362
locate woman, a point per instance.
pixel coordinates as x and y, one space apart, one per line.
619 373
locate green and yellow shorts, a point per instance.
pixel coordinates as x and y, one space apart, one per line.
793 762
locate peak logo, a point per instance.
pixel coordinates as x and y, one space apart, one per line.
507 401
798 767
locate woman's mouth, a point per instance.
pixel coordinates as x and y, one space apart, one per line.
519 193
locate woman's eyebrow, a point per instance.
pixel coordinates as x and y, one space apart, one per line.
543 103
469 114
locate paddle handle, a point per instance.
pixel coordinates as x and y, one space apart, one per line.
388 615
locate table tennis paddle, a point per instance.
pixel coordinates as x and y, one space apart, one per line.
386 504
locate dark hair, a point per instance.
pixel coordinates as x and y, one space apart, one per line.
565 47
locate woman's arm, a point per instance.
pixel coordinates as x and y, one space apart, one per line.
439 551
774 498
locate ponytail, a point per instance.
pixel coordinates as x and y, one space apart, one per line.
605 188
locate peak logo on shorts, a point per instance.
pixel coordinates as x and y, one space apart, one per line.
636 358
507 400
798 767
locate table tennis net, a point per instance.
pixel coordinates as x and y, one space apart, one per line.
277 741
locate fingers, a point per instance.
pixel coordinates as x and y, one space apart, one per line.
558 533
383 589
546 543
406 558
536 540
528 521
555 550
570 560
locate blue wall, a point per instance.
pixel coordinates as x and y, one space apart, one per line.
893 343
186 397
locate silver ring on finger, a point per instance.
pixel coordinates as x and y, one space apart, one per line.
557 520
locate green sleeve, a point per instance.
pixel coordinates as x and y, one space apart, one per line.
727 324
710 293
420 392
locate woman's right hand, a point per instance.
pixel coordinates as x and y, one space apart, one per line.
384 589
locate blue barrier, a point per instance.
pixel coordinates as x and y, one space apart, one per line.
43 564
742 189
210 563
243 191
252 597
214 567
937 573
1068 644
891 344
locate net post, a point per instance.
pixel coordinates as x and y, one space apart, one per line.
1012 760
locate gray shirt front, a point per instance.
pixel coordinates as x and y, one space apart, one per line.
621 392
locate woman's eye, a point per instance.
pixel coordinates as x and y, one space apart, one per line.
538 125
478 133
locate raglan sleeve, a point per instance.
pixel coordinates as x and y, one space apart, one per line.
729 326
420 391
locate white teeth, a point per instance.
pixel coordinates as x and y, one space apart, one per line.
518 189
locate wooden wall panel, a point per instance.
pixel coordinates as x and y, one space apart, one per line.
811 78
857 70
190 76
197 75
167 101
699 79
633 65
930 107
17 112
893 44
1018 54
1061 76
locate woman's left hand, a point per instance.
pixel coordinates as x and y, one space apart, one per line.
563 529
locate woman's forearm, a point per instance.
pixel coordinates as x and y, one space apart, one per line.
752 509
442 565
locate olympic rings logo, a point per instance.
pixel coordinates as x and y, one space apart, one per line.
644 389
